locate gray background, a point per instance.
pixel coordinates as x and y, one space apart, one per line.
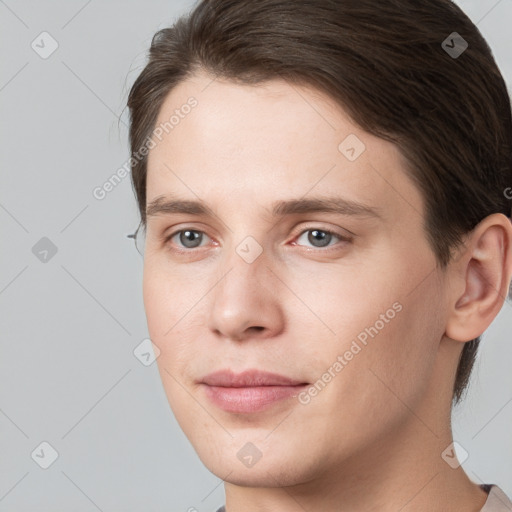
69 325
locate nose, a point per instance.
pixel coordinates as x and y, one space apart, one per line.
245 302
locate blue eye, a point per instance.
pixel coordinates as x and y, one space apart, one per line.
319 238
189 238
315 238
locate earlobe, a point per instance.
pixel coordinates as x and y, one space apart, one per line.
486 270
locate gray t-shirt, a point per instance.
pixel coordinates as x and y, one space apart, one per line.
497 500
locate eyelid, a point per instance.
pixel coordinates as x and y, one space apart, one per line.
298 232
335 248
323 226
173 230
168 237
343 234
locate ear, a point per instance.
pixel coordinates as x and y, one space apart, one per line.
480 278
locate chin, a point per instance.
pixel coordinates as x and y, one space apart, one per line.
266 475
276 467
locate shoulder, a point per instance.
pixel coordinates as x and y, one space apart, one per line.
497 500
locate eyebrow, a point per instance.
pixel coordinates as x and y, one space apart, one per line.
337 205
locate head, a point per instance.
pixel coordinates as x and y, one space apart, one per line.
249 123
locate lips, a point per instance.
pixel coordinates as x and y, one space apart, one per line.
250 391
249 378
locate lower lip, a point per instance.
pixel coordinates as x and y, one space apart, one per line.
250 399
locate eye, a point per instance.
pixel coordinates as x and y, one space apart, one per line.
188 238
319 238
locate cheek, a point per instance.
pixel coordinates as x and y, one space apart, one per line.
399 342
168 317
157 306
385 334
168 296
365 398
168 327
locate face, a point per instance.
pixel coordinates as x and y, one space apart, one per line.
288 282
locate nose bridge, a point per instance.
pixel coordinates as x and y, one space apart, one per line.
241 298
243 275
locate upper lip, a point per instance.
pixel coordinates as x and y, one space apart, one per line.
248 378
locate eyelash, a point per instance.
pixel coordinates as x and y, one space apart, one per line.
340 238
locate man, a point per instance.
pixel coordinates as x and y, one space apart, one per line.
327 235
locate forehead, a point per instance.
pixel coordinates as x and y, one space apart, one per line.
270 142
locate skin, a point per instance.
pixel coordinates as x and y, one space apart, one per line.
372 438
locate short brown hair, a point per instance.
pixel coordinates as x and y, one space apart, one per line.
385 63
